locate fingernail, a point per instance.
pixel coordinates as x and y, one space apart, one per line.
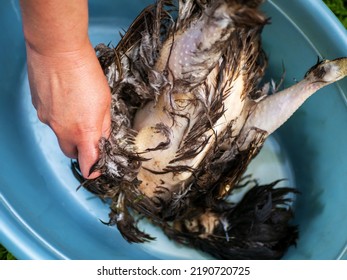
93 168
93 171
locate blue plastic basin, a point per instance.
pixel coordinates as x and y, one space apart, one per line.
43 217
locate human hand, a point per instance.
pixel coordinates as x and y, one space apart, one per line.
71 95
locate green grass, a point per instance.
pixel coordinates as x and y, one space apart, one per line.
338 8
5 255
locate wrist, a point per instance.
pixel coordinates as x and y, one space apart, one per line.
60 48
61 59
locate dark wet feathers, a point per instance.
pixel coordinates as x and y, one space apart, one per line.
139 70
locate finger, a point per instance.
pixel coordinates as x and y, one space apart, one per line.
106 126
88 155
88 151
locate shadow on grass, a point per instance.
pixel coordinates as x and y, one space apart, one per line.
5 255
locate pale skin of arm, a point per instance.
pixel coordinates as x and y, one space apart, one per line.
68 87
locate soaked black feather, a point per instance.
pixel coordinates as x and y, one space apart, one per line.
258 227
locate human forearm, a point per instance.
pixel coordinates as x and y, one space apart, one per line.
68 87
54 27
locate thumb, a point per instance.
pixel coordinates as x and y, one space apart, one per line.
88 155
88 152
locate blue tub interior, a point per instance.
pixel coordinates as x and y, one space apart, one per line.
43 217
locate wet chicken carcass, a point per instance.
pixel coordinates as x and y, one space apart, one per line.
188 116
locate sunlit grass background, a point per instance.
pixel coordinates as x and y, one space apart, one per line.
337 6
5 255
